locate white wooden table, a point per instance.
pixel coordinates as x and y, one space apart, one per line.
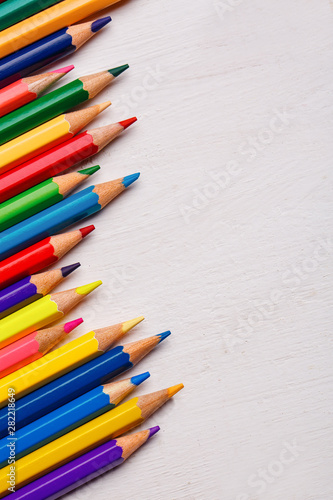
225 240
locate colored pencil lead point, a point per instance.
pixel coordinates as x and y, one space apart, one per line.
86 230
89 170
64 70
128 122
100 23
117 71
68 327
86 289
138 379
174 389
129 179
163 335
131 323
67 270
153 431
104 105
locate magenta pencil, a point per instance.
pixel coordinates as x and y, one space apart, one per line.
33 346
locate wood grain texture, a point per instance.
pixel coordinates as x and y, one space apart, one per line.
225 240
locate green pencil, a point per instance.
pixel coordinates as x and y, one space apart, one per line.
13 11
39 197
55 103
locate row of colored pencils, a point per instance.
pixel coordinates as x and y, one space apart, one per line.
65 409
70 417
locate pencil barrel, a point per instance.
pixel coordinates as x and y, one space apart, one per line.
35 56
45 108
26 204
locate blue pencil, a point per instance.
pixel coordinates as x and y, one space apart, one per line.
47 50
75 383
69 416
61 215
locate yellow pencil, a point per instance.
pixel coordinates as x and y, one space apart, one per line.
48 21
42 312
64 359
46 136
84 438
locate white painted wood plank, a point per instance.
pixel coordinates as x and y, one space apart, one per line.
225 240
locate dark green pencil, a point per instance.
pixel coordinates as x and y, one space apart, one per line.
55 103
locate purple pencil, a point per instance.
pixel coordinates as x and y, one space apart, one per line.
32 288
84 468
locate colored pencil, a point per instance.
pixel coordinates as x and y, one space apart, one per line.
96 432
32 288
40 197
28 89
41 255
69 416
84 468
48 50
46 136
55 103
47 22
67 358
71 385
41 313
33 346
14 11
62 215
58 159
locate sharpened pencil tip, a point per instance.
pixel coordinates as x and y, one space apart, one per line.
64 70
128 122
117 71
163 335
89 170
131 323
86 230
67 270
138 379
174 389
104 105
153 431
129 179
86 289
99 23
68 327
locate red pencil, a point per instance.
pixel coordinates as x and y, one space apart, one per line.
56 160
33 346
28 89
38 256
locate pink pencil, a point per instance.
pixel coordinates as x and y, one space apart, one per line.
33 346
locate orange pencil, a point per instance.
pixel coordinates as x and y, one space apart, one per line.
33 346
